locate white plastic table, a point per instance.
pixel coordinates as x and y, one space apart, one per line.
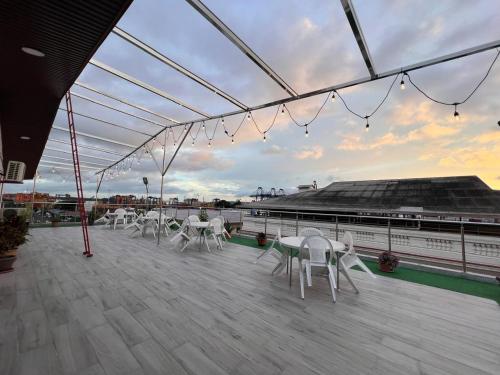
294 242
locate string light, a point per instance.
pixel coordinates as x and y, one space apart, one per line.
203 125
192 144
402 83
232 137
283 110
367 126
456 115
222 120
307 132
264 139
333 97
54 170
210 143
248 116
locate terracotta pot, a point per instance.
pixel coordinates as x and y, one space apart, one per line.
262 241
384 267
6 263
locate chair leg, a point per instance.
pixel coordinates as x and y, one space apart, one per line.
347 276
301 277
365 268
333 283
309 274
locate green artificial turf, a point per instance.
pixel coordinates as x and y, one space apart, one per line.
449 282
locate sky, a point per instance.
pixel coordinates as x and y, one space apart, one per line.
310 45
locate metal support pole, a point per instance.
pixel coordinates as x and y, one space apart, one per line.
297 223
33 196
336 228
462 235
1 201
265 222
389 234
161 187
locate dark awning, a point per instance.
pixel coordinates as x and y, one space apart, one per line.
31 87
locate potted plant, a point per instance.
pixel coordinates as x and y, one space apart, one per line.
387 262
261 239
55 220
229 228
203 215
12 234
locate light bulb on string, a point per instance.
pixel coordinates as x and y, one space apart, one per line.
210 143
264 139
53 170
203 125
185 128
402 83
367 126
222 120
248 116
456 115
333 97
283 110
232 137
307 132
192 144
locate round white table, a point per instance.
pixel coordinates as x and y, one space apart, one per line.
294 242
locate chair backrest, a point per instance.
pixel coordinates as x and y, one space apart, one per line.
216 224
120 211
193 219
152 215
347 239
317 246
306 232
277 238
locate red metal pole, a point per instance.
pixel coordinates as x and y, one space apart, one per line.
76 165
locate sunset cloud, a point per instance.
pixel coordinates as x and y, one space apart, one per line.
313 152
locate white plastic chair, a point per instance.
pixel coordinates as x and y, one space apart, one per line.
193 219
216 231
273 251
306 232
182 234
351 259
120 217
151 221
137 224
317 247
103 219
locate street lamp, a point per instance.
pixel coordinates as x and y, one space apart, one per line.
145 180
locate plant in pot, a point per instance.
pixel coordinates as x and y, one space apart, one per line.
387 262
261 239
203 215
12 234
55 220
229 228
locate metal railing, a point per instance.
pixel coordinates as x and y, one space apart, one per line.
460 245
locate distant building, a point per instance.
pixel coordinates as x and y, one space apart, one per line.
450 197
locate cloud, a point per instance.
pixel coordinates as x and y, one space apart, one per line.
199 160
274 150
313 152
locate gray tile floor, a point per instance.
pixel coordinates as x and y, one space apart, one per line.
135 308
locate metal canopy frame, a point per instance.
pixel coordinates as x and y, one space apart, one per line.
242 108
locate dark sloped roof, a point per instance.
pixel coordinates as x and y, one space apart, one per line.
69 33
461 194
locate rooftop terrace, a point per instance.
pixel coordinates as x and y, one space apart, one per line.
135 308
